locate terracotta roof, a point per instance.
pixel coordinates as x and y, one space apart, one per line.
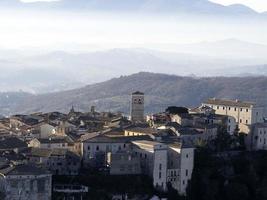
226 102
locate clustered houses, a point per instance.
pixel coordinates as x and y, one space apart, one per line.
34 147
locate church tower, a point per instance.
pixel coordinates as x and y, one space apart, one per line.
137 106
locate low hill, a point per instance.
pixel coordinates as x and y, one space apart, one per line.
161 91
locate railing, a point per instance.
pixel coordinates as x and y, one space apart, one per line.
70 188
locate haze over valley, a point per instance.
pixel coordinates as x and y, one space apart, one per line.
49 47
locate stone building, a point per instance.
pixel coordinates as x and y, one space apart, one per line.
26 182
245 113
166 163
137 107
257 140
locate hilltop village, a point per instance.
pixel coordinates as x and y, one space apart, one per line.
104 155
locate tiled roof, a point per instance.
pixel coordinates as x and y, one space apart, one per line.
142 130
25 169
11 143
226 102
52 140
121 139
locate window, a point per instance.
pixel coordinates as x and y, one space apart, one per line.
187 155
246 110
218 107
186 172
235 109
246 121
223 107
241 109
229 108
97 148
160 166
159 175
88 148
240 120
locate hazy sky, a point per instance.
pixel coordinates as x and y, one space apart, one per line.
259 5
56 30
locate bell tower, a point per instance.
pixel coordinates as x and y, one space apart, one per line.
137 106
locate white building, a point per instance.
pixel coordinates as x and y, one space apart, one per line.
53 143
47 130
257 140
137 106
245 113
26 182
97 149
166 163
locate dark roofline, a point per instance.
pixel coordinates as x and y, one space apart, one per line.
137 93
228 102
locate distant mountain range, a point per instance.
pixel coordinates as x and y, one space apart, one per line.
156 6
61 70
161 91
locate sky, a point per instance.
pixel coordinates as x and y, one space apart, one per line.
97 31
258 5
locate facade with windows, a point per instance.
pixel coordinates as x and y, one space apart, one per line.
26 182
166 163
257 140
96 150
245 113
137 106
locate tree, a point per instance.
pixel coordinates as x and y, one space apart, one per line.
223 140
236 191
176 110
